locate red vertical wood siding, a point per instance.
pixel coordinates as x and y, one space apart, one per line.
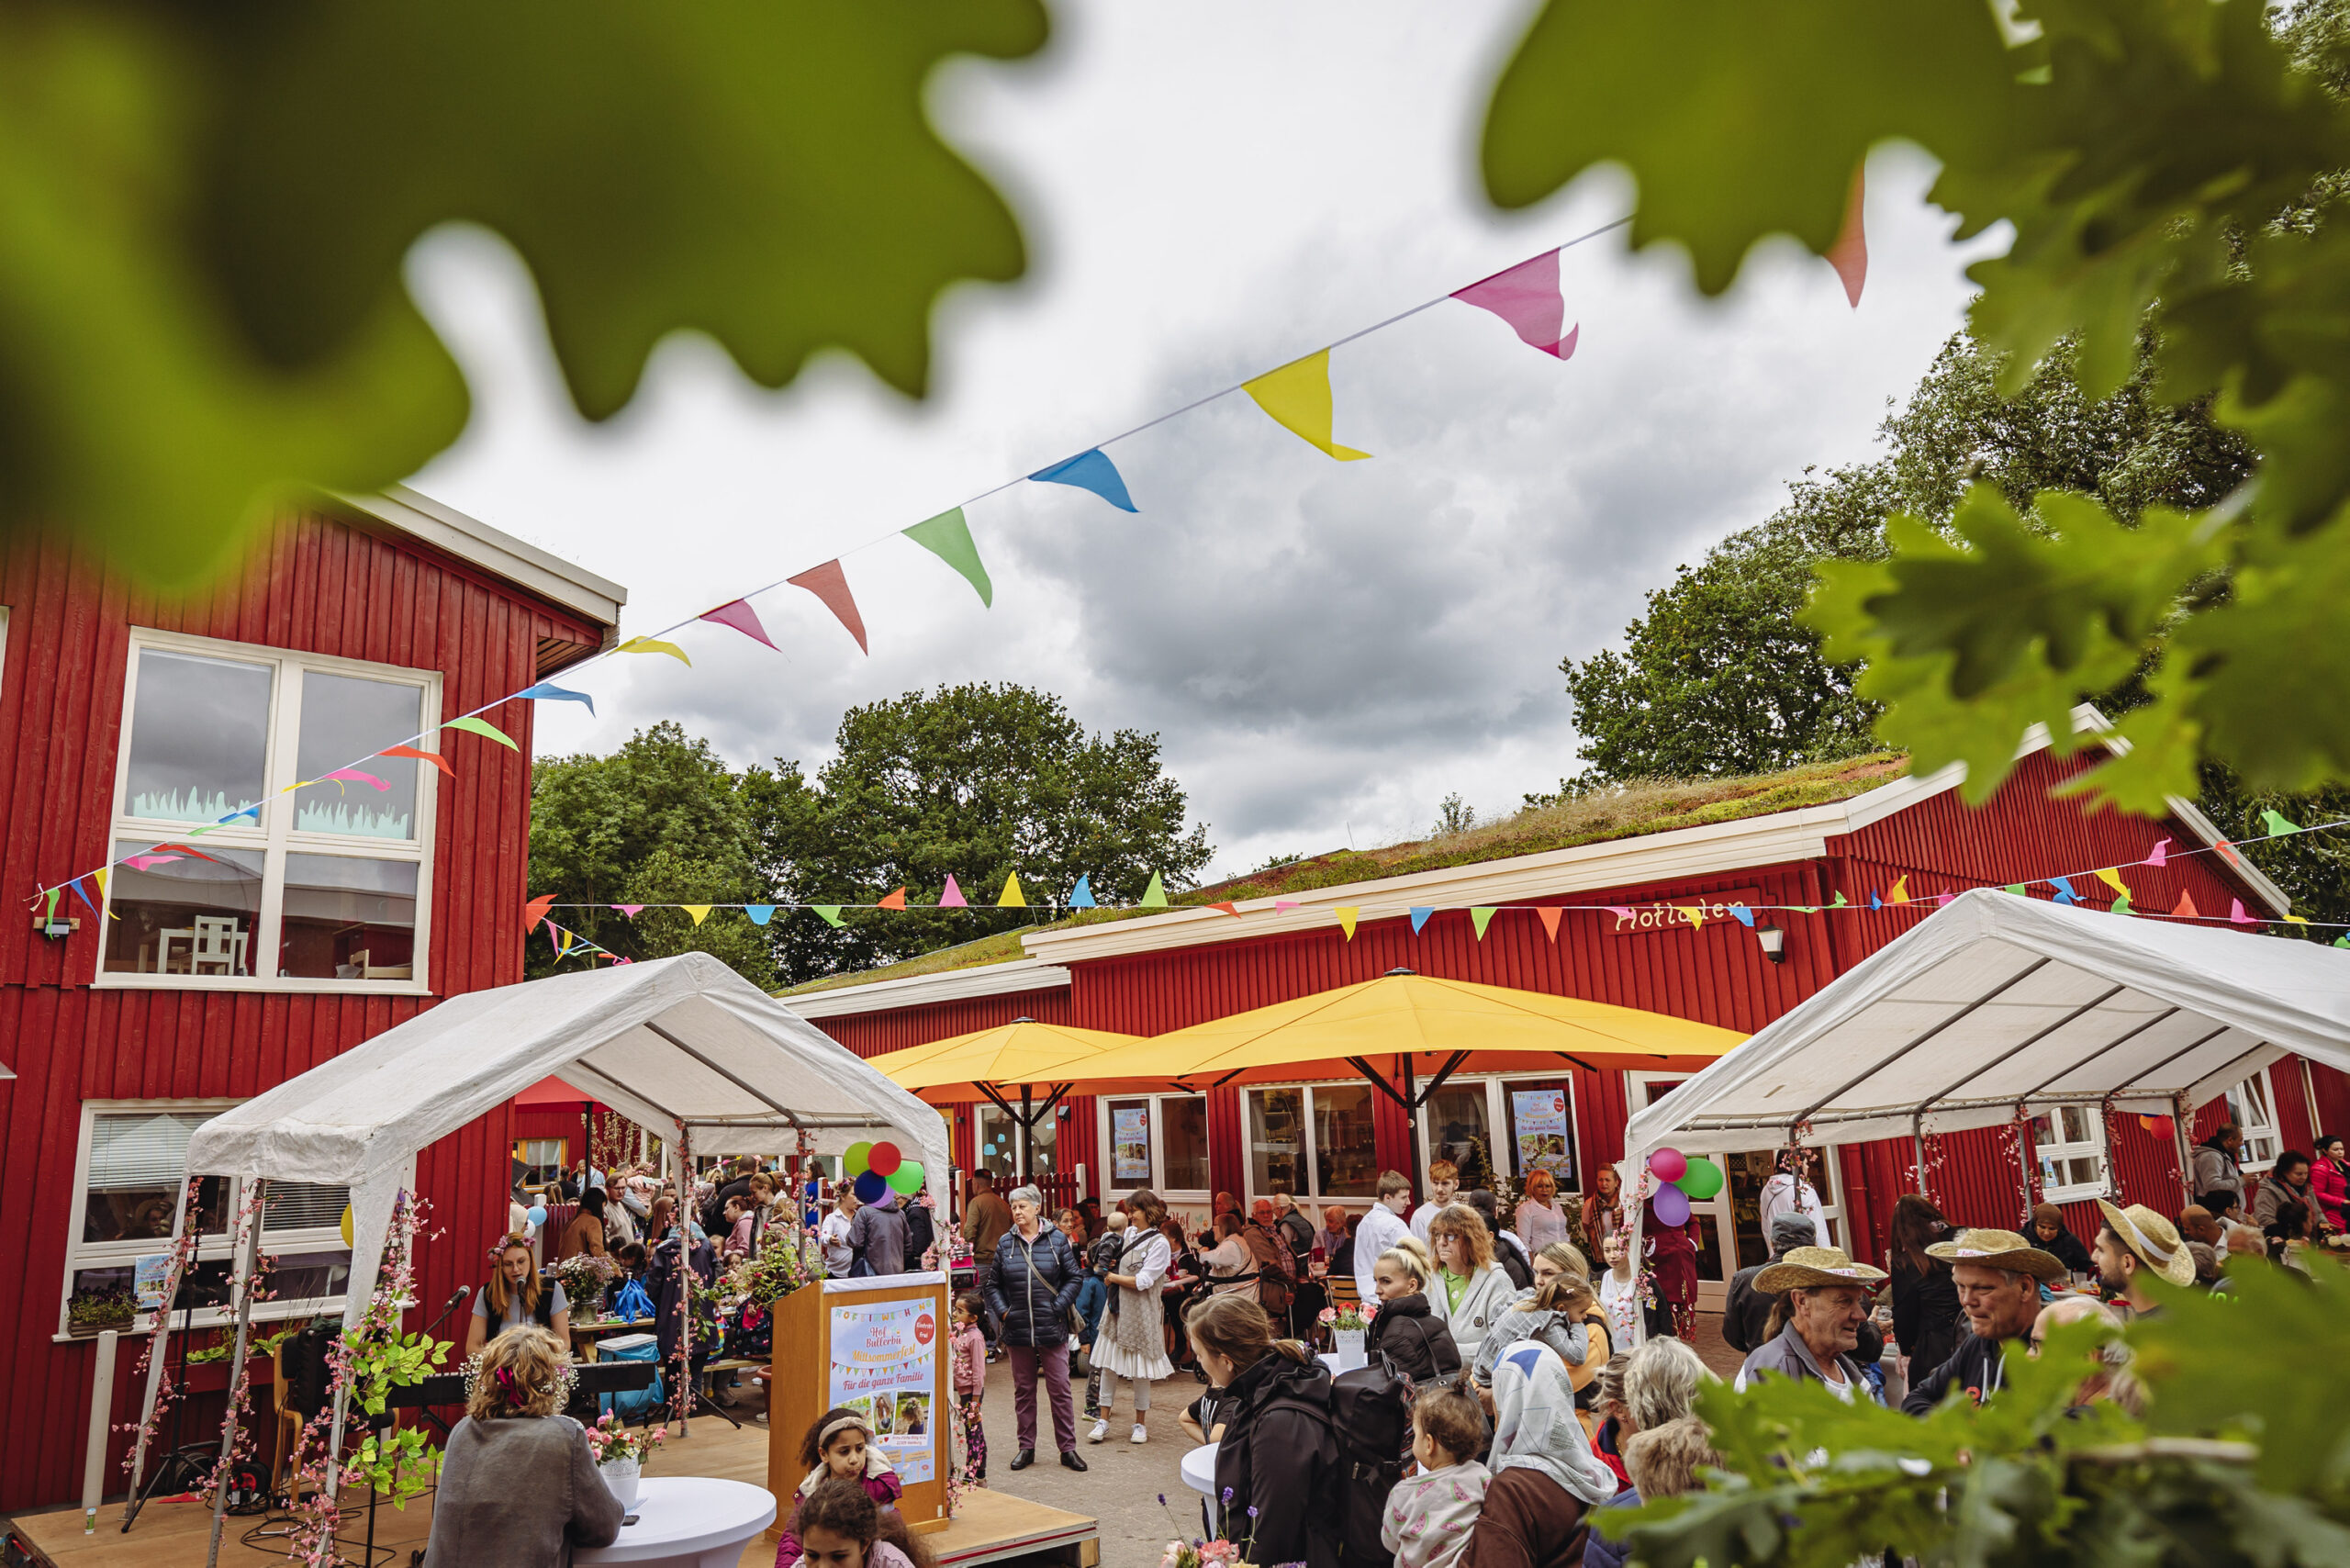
313 584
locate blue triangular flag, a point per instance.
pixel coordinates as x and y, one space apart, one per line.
759 913
546 693
1419 918
2065 893
1743 915
252 811
83 894
1082 896
1089 471
1875 902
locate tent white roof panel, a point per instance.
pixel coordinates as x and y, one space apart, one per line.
1998 1001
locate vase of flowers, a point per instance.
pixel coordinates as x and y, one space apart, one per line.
1346 1325
620 1454
584 1278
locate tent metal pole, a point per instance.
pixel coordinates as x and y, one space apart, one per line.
1980 1068
2115 1044
248 1264
155 1352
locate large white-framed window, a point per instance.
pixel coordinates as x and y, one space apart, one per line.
1311 1139
130 1162
1518 1123
2069 1143
1159 1141
326 888
2251 1105
999 1146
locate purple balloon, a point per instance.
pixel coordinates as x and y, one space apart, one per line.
1672 1206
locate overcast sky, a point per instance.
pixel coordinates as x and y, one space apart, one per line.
1209 190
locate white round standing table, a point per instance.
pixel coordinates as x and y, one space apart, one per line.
688 1521
1198 1470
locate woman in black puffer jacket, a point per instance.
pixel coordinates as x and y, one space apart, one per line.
1413 1340
1278 1470
1031 1287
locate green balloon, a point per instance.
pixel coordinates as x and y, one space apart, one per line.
907 1178
1702 1179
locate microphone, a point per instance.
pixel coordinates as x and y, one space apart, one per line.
448 1307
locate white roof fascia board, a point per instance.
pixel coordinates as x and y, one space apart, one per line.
470 539
916 991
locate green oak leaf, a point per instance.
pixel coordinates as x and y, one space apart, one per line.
1741 117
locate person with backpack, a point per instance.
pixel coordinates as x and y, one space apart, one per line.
1545 1476
1412 1338
1278 1464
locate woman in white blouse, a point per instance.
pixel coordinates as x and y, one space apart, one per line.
1133 1340
1540 1220
1470 1291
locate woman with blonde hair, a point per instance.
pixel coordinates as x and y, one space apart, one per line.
519 1488
1541 1219
1470 1291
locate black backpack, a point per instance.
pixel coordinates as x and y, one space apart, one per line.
1370 1413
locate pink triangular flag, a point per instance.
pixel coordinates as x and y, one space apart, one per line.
1283 906
952 897
739 615
1850 253
1527 297
2161 855
2236 913
829 583
1548 914
629 909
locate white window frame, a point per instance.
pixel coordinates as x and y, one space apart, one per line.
1115 1188
81 1254
1497 1089
2238 1105
275 837
2094 1147
1309 1152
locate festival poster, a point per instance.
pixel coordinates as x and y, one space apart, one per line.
1130 1143
885 1366
1540 1119
149 1275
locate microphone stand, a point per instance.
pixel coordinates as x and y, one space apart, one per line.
463 1293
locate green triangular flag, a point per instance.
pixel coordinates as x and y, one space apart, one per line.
1154 895
2015 888
2276 825
2121 904
2343 941
481 727
949 537
1481 918
1839 903
828 913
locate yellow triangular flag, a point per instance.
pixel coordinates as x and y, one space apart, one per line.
654 645
2295 920
1696 914
1013 897
1298 397
700 912
1347 920
2112 878
1900 893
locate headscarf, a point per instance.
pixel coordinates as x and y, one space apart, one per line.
1535 1426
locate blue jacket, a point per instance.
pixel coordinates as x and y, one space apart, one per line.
1031 1285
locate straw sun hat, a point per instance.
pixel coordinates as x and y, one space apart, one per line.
2154 1238
1999 1250
1812 1268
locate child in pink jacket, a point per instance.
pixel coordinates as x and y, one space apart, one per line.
969 1348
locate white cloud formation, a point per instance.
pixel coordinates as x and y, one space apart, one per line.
1327 649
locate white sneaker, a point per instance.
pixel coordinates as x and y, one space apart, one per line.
1142 1433
1100 1430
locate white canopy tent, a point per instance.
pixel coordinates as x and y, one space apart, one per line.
682 1044
1997 1005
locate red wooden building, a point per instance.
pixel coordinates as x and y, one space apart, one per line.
1331 1137
125 718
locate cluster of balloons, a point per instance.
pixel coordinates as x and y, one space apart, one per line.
1683 1179
881 1168
537 1215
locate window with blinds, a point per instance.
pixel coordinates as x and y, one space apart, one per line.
302 1205
137 1161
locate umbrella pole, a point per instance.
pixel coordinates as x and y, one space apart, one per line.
1027 1118
1411 1121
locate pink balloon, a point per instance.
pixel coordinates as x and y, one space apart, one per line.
1672 1206
1668 1164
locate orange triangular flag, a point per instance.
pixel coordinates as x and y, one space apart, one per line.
1548 914
1231 909
893 901
2187 909
1849 251
434 757
829 583
536 911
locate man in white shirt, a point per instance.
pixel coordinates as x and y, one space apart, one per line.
1790 1192
1444 1181
1381 1228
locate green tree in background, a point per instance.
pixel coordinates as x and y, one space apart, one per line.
978 782
2166 167
207 207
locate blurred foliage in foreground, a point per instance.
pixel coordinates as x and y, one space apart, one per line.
2243 1458
204 210
2172 164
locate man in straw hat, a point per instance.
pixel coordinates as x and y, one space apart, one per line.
1998 1276
2136 1245
1825 1299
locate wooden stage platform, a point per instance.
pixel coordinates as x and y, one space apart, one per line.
992 1526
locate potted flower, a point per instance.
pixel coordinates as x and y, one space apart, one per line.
1346 1325
584 1277
93 1312
620 1454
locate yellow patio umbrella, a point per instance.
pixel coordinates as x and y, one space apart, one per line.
994 1064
